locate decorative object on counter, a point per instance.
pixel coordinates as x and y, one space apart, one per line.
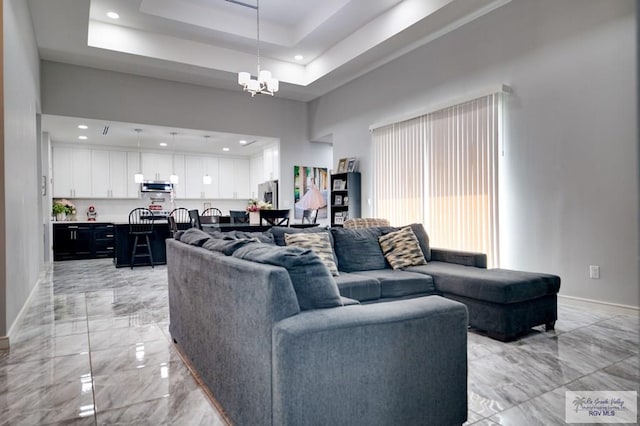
92 214
254 208
63 209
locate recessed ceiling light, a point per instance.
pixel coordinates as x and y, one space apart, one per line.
113 15
163 144
225 149
83 126
298 57
243 142
83 137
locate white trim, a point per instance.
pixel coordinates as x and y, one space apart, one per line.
26 305
590 303
501 88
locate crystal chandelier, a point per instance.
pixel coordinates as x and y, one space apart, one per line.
265 83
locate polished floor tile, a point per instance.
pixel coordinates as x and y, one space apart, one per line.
93 347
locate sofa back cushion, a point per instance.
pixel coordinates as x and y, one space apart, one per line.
279 231
358 249
314 286
423 239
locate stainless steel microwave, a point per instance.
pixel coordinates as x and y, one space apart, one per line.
156 186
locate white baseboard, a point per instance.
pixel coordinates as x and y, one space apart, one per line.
4 342
26 304
611 307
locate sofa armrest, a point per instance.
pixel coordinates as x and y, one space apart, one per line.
399 362
466 258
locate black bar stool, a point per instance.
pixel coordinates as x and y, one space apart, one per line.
141 224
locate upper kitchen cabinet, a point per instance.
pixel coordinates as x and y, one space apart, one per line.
271 163
196 167
112 172
179 188
156 166
235 177
71 172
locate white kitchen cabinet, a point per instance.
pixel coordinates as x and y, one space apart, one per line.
71 172
179 188
111 174
271 163
195 169
133 166
156 166
234 175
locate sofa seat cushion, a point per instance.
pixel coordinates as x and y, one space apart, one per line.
358 287
397 283
314 286
491 285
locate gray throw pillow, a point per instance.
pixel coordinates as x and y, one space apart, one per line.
314 286
194 237
226 246
358 249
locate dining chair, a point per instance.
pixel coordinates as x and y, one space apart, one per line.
239 216
274 217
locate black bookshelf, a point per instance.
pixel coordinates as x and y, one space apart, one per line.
345 197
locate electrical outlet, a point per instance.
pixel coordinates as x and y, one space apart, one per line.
594 272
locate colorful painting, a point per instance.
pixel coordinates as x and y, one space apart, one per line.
310 191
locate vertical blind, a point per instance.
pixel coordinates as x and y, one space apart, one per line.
441 169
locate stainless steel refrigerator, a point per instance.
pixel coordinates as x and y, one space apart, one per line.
268 192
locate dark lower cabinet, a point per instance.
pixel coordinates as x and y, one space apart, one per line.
83 241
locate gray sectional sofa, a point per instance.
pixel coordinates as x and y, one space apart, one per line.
280 341
278 345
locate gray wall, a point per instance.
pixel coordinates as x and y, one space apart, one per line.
570 193
23 252
124 97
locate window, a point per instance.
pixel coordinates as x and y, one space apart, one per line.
441 169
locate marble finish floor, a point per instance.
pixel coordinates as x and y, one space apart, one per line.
93 347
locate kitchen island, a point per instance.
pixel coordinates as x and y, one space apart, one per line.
124 243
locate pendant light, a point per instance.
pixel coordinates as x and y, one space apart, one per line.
174 177
264 83
138 177
206 179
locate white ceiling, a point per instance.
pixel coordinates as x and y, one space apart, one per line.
101 134
207 42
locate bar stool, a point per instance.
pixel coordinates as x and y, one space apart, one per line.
141 224
180 216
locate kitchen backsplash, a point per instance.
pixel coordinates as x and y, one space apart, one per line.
117 210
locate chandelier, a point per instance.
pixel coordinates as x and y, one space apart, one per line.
265 83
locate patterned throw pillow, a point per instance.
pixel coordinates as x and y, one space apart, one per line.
318 243
401 249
